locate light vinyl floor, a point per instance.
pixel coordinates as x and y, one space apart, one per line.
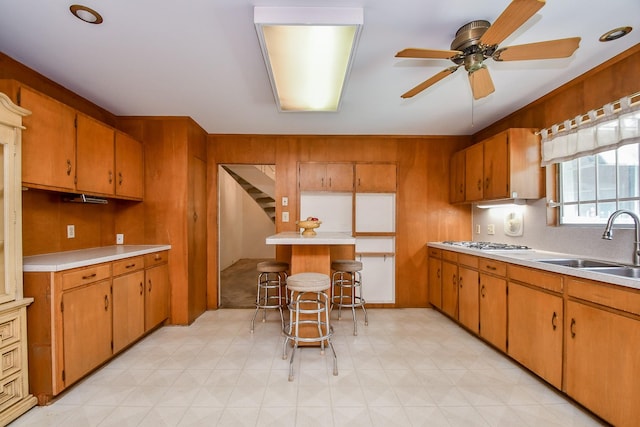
408 367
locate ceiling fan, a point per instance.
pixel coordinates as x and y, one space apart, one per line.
479 40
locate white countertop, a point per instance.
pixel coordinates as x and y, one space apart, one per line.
58 261
321 238
529 258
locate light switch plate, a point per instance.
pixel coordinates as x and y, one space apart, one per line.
119 239
491 229
285 201
285 216
71 231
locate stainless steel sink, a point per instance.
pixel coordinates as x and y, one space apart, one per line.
579 263
623 271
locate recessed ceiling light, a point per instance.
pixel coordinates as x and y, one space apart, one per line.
615 34
86 14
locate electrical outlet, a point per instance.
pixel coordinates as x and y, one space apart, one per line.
285 216
491 229
71 231
477 228
119 239
285 201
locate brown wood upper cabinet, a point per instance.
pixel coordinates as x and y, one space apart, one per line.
505 166
48 143
457 177
65 150
375 177
325 176
129 167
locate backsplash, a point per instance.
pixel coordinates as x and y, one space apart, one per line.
578 240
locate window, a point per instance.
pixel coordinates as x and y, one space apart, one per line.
593 187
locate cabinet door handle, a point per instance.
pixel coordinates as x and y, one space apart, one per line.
110 177
486 183
554 319
438 274
106 302
90 276
454 280
141 288
329 182
460 281
572 328
68 167
461 189
149 285
321 182
479 184
120 178
482 292
195 216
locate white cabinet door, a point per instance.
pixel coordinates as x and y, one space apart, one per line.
334 210
378 268
376 212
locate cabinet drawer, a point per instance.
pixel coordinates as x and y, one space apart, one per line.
10 328
434 252
608 295
492 267
85 275
450 256
11 390
128 265
156 258
468 260
10 360
538 278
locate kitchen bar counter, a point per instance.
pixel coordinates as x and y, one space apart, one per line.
321 238
529 258
58 261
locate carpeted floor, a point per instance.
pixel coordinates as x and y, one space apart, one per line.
238 284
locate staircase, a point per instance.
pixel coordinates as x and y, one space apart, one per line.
256 184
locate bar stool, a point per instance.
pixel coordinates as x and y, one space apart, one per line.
309 304
272 276
347 289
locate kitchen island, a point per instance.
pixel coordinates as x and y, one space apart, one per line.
314 253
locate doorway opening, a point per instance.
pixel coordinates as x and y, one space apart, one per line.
246 206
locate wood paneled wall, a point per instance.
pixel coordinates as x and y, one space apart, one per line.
423 211
608 82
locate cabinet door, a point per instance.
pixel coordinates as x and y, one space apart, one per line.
339 177
603 363
496 167
86 329
493 310
48 143
157 296
376 177
535 331
378 278
457 176
128 309
95 151
311 176
474 163
450 288
468 311
435 282
129 167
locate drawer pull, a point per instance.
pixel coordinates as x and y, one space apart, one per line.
130 265
490 267
90 276
157 257
554 319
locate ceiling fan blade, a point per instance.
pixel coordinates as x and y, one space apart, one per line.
427 53
516 14
431 81
481 83
560 48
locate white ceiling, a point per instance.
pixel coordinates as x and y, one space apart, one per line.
201 58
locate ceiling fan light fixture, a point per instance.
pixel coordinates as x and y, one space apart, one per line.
86 14
615 34
308 53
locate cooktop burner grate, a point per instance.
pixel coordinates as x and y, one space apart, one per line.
488 246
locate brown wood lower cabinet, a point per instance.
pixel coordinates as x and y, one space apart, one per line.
493 303
469 308
435 278
86 315
450 288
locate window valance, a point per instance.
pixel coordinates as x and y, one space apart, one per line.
614 125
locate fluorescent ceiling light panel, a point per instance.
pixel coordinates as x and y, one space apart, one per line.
308 53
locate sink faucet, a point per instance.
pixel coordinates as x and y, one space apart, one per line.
608 232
